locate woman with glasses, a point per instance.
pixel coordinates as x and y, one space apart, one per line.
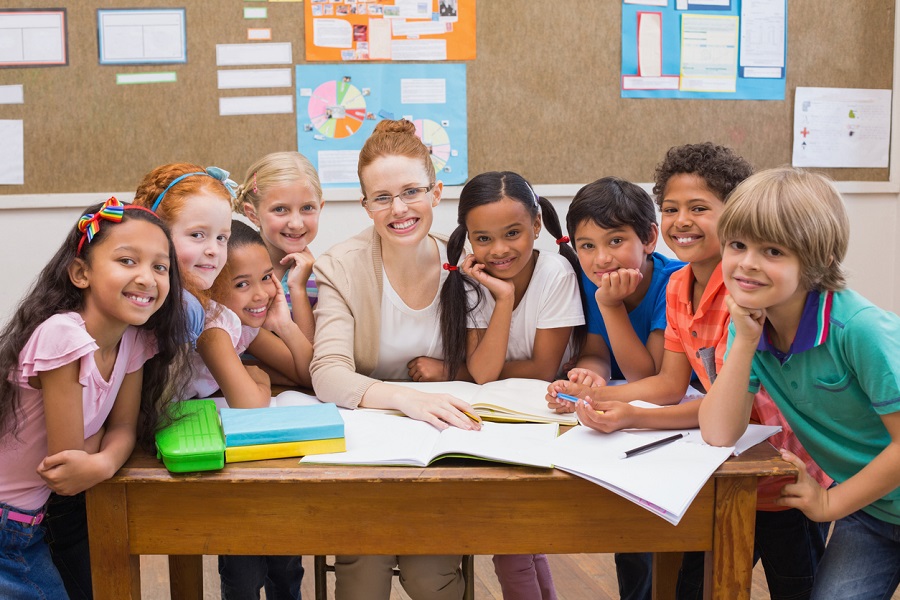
377 319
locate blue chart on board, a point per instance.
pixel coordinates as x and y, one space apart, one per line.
746 88
338 107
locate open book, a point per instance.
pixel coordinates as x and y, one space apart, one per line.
664 481
381 439
505 400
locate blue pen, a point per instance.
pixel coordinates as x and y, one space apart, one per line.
567 397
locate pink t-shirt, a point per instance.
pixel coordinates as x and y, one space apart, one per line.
218 317
56 342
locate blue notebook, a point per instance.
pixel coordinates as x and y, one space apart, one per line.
249 426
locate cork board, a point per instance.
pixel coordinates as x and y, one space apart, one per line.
543 96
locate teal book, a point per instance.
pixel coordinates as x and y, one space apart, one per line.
278 424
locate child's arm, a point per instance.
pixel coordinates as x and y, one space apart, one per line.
594 358
725 412
874 481
288 352
243 387
549 347
612 416
69 471
486 348
298 276
636 359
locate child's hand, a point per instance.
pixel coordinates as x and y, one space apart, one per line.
72 471
554 403
616 286
806 494
605 416
748 322
279 315
585 377
498 288
424 368
299 272
440 410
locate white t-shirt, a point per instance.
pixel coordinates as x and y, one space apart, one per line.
552 300
406 333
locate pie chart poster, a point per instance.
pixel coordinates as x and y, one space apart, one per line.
338 107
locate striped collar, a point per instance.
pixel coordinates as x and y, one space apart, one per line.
813 328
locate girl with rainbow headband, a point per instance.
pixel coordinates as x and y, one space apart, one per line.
282 196
523 325
85 362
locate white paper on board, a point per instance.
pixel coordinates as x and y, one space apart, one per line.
423 91
649 44
32 38
379 39
12 94
256 105
239 55
12 152
233 79
338 166
419 50
332 33
763 25
841 127
709 46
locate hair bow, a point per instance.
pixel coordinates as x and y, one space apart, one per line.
222 175
89 224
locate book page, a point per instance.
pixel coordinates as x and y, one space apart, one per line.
522 398
516 443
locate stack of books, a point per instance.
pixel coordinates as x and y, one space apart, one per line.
282 432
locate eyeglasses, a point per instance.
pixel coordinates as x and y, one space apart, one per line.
407 196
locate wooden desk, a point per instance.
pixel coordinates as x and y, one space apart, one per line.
280 507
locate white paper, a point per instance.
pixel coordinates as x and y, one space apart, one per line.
419 50
763 24
631 82
841 127
649 44
379 39
12 94
254 12
332 33
12 152
402 27
233 79
129 78
32 38
238 55
256 105
423 91
664 481
259 33
338 166
709 53
135 36
413 9
648 2
762 72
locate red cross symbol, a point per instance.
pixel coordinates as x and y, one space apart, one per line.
805 132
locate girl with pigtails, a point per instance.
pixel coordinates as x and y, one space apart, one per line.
510 311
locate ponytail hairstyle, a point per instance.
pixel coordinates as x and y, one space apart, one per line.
272 170
483 189
53 293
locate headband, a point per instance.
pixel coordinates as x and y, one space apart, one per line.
112 210
214 172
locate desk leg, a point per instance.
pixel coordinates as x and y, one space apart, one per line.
186 577
665 574
729 567
116 574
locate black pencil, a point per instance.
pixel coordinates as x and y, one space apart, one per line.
651 445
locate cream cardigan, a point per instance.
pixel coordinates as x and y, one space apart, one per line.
348 318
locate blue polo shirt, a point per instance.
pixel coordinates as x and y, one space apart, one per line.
646 317
841 373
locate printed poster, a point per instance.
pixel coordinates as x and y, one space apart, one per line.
392 30
338 107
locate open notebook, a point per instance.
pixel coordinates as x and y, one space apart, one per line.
379 439
505 400
664 481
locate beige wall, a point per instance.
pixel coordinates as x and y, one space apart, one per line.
32 235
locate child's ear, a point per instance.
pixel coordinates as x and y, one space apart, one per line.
78 273
250 213
650 244
537 226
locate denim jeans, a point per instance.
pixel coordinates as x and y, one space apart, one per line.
862 561
67 536
243 576
790 547
26 571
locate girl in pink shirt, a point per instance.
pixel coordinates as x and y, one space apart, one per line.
85 361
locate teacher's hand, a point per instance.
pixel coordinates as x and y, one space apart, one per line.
440 410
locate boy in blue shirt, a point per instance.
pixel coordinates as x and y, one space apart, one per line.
829 359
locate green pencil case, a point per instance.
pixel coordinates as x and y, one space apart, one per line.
194 440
